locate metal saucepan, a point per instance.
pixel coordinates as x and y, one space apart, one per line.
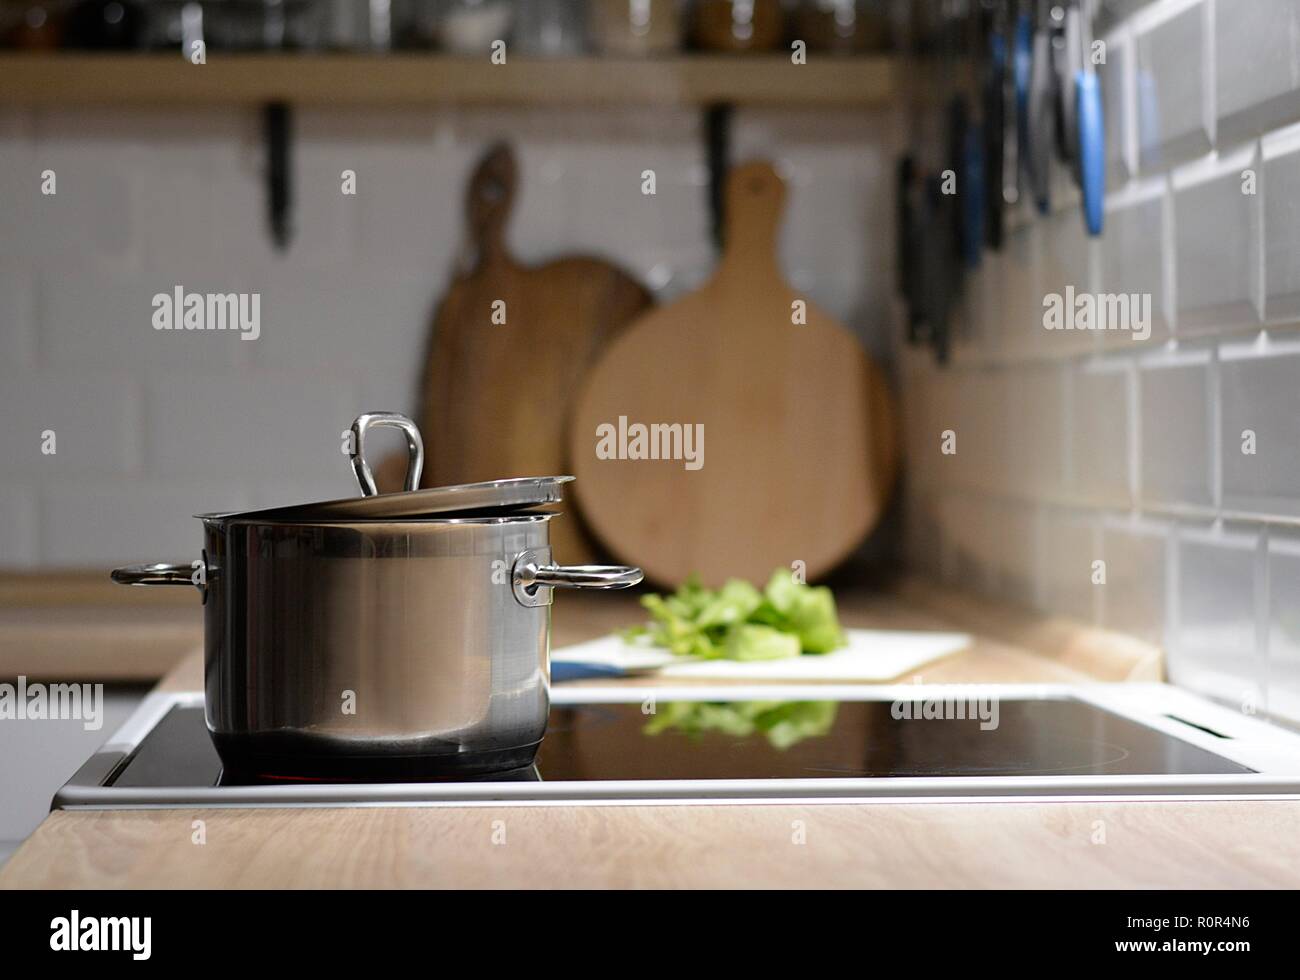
379 648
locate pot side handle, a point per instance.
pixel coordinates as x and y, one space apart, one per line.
158 573
588 576
533 581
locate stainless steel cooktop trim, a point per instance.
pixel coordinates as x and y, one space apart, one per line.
1253 742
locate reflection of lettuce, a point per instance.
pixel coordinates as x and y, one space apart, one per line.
784 723
740 623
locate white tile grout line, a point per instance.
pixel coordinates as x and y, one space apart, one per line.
1214 405
1133 423
1263 601
1209 78
1152 511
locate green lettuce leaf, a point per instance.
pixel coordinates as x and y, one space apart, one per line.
746 642
739 622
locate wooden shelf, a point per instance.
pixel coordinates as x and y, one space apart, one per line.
433 80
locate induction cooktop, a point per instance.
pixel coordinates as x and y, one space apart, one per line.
765 743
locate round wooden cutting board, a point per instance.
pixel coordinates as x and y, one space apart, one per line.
799 445
497 394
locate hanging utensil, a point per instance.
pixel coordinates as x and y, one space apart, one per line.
947 263
910 279
277 128
943 273
1040 110
1066 58
1011 119
958 129
994 92
1092 132
1022 65
972 198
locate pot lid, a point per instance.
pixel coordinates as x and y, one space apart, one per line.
514 494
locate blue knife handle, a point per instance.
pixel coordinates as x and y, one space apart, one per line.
1092 149
572 670
1022 62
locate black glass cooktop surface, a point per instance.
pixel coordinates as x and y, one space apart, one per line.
685 740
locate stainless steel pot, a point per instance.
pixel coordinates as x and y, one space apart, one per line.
377 648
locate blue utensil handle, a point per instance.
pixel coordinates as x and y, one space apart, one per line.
1092 149
1022 62
572 670
994 138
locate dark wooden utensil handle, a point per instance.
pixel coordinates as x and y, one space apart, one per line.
491 197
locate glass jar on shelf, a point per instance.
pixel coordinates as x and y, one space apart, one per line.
470 27
843 26
738 26
550 28
33 26
635 27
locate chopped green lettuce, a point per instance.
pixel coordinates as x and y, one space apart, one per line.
805 610
746 642
738 622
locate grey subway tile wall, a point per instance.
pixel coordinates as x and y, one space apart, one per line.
1098 448
1132 260
1281 209
1256 53
1035 459
1174 121
1214 642
1281 625
1259 418
1176 451
1216 242
1135 585
1180 469
168 425
17 319
1071 542
1120 110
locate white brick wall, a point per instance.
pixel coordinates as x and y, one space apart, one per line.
1174 117
1201 541
154 427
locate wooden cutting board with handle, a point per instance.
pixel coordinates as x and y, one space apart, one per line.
799 442
510 344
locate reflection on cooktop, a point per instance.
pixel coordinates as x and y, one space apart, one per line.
685 740
527 774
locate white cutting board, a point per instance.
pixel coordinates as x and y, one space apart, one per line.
871 655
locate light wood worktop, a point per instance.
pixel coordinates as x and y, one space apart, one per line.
80 626
978 844
931 845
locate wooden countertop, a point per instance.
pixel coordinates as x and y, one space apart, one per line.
1106 844
96 643
930 845
80 626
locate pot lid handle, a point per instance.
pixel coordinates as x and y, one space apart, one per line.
357 448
